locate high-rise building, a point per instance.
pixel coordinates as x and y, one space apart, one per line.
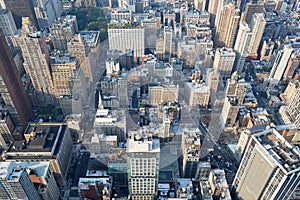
250 10
11 89
230 111
280 64
6 129
168 35
85 47
293 109
196 94
200 5
267 50
162 93
212 10
7 22
19 9
62 31
241 46
190 147
127 36
223 62
15 183
45 142
292 65
273 163
46 11
36 62
212 81
63 70
40 175
226 26
236 87
257 26
143 156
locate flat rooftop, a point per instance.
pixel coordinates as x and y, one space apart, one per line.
286 155
42 139
143 145
90 37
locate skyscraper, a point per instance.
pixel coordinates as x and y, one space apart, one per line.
229 112
226 26
168 35
267 50
257 26
241 46
11 88
250 10
36 62
127 36
19 9
15 183
63 68
212 81
212 10
293 109
269 168
223 62
46 11
62 31
292 65
7 22
280 64
143 156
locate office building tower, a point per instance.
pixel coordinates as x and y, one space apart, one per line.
280 64
7 22
250 10
196 94
123 37
236 87
218 6
40 175
212 81
223 62
257 26
62 31
212 10
293 109
168 35
163 93
6 130
290 91
45 142
226 26
292 66
190 147
241 46
143 156
46 11
267 50
36 62
203 171
85 48
15 183
19 9
274 164
78 48
229 112
64 69
200 5
11 89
